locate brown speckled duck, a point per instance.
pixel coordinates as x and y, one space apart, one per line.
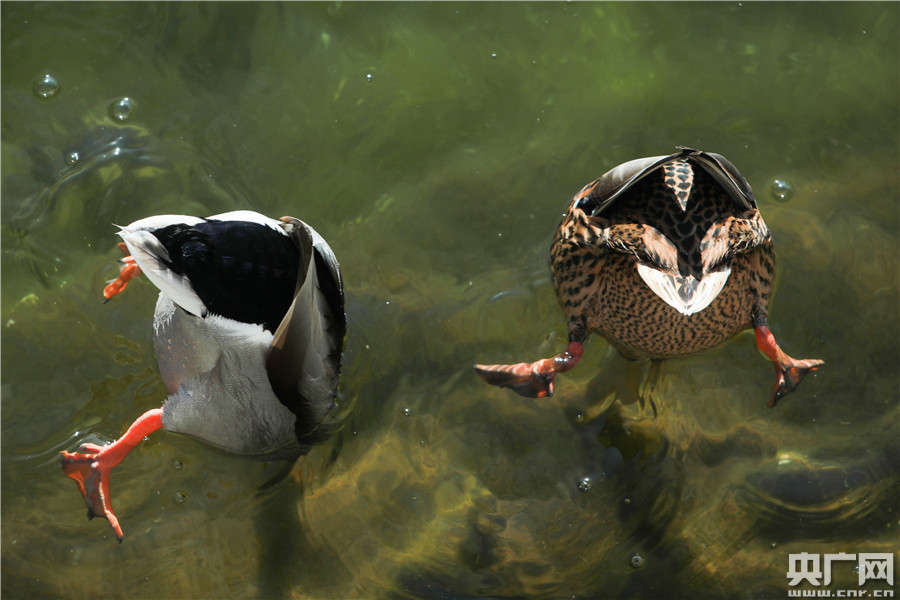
663 256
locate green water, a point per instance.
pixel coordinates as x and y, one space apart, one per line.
436 146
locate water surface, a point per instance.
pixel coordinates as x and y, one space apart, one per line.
436 146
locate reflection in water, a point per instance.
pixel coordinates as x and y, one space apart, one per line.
436 146
103 146
831 499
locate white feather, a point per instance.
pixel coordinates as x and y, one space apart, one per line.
250 217
159 221
219 390
685 294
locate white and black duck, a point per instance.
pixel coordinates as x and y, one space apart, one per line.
248 333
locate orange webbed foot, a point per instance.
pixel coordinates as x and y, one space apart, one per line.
129 271
789 372
532 380
91 466
91 472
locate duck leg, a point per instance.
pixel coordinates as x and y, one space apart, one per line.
90 468
532 380
129 271
789 371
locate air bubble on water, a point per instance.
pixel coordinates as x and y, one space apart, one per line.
406 412
584 484
72 158
781 190
369 77
177 464
637 561
121 109
493 55
46 87
179 497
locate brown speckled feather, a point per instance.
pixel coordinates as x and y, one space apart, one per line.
595 254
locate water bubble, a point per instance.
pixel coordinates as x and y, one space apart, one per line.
493 55
179 497
121 109
46 87
177 464
406 412
369 77
72 158
781 190
636 561
584 484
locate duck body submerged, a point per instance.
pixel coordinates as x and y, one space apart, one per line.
226 286
248 332
664 256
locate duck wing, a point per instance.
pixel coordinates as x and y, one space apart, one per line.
596 197
725 173
303 362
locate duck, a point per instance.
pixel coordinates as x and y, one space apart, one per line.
663 256
248 332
